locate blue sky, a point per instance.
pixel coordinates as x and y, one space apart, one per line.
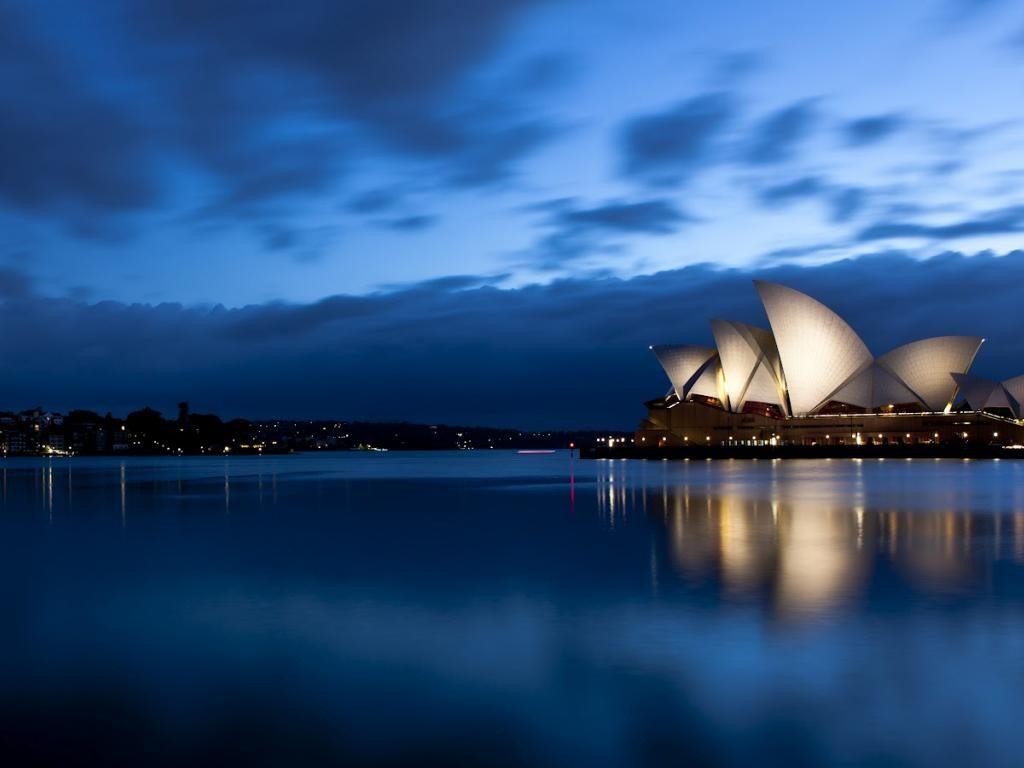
200 156
237 157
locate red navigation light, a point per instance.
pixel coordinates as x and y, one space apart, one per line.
572 445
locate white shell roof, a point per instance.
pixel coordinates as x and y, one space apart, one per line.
1015 387
819 351
981 393
763 387
683 363
747 370
889 389
766 342
812 356
738 360
859 390
1000 398
924 366
874 387
710 382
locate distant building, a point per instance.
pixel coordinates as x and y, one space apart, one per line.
16 443
121 440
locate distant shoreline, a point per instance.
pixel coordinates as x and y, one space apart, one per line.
147 432
925 451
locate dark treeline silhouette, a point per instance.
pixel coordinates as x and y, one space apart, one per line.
148 432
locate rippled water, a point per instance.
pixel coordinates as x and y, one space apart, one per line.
491 608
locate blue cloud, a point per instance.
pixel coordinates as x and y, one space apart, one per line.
65 148
669 147
842 202
864 131
575 232
847 202
672 146
778 136
522 346
652 217
411 223
397 71
998 222
798 189
268 103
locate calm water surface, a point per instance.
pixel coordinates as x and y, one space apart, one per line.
497 609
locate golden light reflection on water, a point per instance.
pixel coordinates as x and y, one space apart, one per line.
808 542
805 553
819 558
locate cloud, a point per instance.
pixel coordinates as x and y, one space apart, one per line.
280 239
543 72
847 202
736 65
789 191
570 353
411 223
872 129
259 174
14 283
778 136
375 200
349 49
575 232
669 147
303 244
490 149
652 217
959 11
793 253
255 108
998 222
398 72
65 148
842 202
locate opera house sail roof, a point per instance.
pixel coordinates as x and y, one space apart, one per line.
818 350
750 367
811 358
925 367
1015 389
920 372
686 366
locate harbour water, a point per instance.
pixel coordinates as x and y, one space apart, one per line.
489 608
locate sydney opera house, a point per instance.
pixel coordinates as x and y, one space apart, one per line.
810 380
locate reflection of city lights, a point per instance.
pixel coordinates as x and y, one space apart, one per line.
817 568
811 551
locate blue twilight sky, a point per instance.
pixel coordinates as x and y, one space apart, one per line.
196 190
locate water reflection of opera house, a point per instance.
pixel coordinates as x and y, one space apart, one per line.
811 380
813 543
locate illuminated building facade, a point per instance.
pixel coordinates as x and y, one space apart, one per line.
809 379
